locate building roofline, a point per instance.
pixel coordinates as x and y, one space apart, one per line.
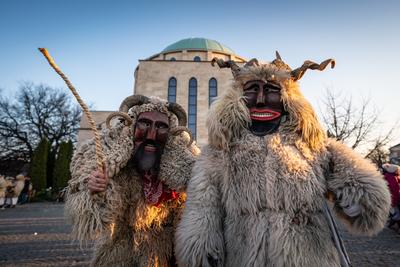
196 50
398 145
174 61
198 43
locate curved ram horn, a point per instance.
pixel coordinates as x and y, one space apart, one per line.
252 62
226 64
299 72
179 129
179 112
127 119
133 100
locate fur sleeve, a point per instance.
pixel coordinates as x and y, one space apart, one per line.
356 181
91 214
177 162
199 235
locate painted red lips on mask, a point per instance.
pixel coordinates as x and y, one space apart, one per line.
263 114
264 102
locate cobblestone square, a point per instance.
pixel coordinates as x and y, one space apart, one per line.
36 234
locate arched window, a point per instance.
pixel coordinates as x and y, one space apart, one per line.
172 59
192 107
196 59
212 90
172 90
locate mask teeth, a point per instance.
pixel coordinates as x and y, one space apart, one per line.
262 115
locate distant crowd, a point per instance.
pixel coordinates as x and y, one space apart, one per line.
15 190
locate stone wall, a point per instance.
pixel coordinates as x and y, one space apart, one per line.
85 131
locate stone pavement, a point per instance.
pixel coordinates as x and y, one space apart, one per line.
36 234
382 250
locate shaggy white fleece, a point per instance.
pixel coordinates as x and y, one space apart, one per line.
258 201
126 230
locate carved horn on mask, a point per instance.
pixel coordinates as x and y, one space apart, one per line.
299 72
128 121
131 101
179 112
277 55
226 64
179 129
279 62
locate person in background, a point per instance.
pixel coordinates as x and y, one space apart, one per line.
13 189
391 173
2 191
24 196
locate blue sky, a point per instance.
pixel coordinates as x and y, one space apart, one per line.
98 43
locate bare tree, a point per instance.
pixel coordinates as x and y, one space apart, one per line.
37 112
355 125
378 155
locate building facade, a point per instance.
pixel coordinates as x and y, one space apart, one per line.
85 131
182 73
394 154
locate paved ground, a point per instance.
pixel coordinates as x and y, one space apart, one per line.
382 250
35 234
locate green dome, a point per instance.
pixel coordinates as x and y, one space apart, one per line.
198 44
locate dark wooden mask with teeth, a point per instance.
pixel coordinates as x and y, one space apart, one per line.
264 101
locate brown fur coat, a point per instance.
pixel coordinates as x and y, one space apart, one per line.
127 231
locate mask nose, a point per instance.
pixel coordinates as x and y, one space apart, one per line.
260 98
151 133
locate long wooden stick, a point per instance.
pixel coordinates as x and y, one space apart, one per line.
99 150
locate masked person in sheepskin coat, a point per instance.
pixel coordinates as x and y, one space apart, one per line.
257 193
132 210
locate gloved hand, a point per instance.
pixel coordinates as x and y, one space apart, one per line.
212 261
353 210
350 209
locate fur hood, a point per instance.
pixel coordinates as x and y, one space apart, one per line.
391 168
229 117
155 104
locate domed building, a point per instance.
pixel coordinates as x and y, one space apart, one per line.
181 73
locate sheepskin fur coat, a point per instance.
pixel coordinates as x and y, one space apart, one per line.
258 201
3 186
126 230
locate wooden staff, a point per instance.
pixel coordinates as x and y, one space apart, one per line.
99 150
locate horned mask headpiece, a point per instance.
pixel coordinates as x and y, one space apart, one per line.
295 74
137 100
230 114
